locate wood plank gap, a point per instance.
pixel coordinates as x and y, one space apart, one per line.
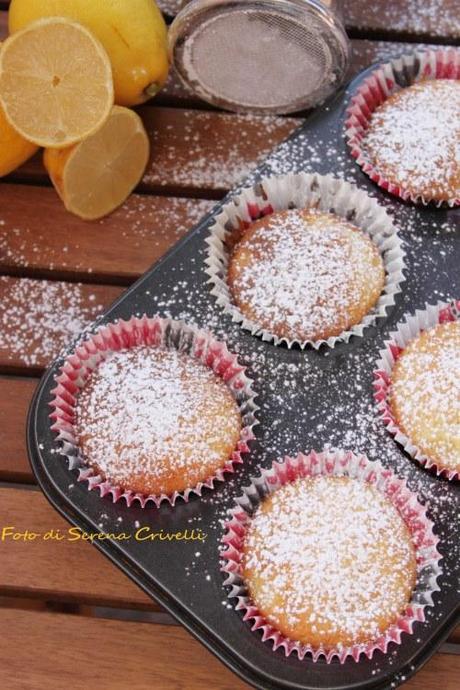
21 485
63 570
22 371
53 651
449 648
69 276
82 604
390 36
128 614
184 192
23 178
16 480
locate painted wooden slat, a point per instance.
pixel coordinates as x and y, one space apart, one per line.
48 650
39 237
65 570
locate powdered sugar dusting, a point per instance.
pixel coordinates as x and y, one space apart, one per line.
40 317
218 155
425 393
139 231
147 414
305 275
329 561
413 139
308 399
430 17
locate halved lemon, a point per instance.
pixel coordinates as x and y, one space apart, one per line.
14 149
56 84
96 175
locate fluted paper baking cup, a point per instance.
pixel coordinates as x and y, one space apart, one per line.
407 330
155 332
333 463
299 191
385 80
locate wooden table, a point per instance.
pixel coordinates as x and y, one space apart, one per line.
67 616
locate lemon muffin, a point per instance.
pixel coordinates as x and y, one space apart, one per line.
413 139
329 562
155 421
425 394
305 275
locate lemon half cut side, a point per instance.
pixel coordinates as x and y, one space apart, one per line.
95 176
56 83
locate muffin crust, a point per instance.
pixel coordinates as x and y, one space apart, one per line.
413 139
329 562
425 394
156 421
305 275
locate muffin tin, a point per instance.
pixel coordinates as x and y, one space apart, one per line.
307 399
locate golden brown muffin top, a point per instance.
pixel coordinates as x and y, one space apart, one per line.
329 561
305 274
147 413
425 393
414 139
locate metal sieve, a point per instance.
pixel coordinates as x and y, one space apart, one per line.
266 56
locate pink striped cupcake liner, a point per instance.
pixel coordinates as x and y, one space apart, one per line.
156 332
386 79
332 463
429 317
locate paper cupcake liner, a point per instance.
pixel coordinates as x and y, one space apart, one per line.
157 332
406 331
442 63
337 463
326 193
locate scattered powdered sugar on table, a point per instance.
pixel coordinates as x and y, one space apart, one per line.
140 218
217 158
367 52
430 17
413 138
154 412
329 558
147 223
39 318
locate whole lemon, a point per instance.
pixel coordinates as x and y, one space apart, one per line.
14 149
133 33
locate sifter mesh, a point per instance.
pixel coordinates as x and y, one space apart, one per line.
260 59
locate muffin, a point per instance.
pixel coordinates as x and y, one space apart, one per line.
328 561
425 394
413 139
155 421
305 274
